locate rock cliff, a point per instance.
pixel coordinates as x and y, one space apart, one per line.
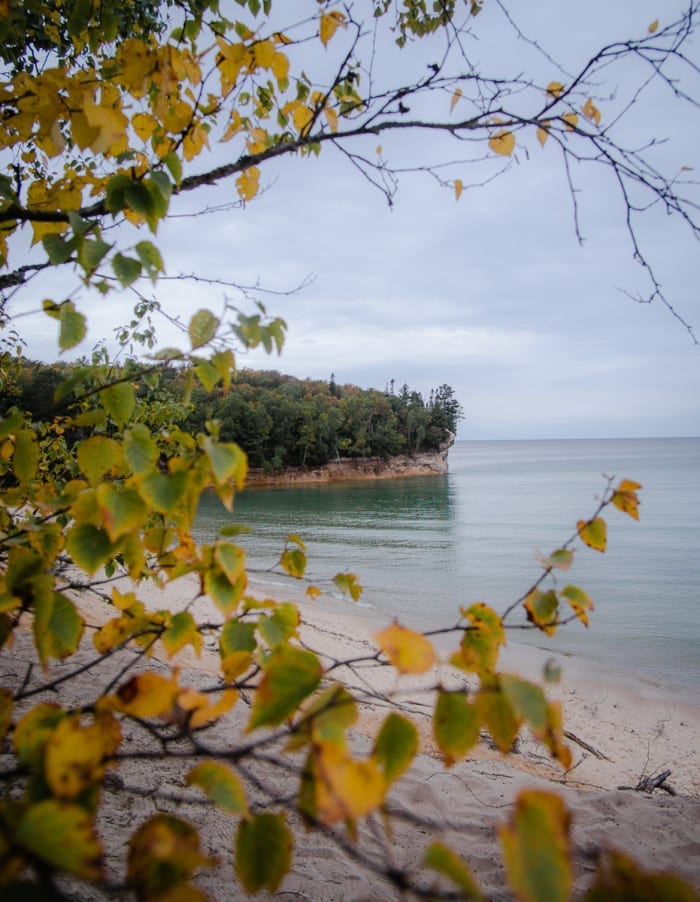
432 463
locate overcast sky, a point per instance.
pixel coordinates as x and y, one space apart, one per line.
492 294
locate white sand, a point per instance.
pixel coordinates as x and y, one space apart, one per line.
637 735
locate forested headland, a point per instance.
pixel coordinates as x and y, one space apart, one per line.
278 420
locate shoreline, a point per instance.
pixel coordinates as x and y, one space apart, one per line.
348 469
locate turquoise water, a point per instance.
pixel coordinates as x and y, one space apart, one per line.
422 547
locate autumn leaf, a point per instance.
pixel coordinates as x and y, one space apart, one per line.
329 24
571 121
440 858
654 26
593 533
459 187
536 848
455 98
543 133
346 789
263 853
502 142
408 651
456 725
591 111
625 498
555 89
222 786
290 675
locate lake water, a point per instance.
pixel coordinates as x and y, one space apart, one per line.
422 547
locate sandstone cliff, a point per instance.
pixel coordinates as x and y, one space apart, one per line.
432 463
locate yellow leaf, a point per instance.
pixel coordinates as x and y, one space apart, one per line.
536 848
144 125
459 187
111 124
75 754
302 117
248 183
329 23
455 98
555 88
332 119
654 26
264 54
543 133
503 142
408 651
593 533
148 695
625 498
379 150
571 120
197 709
345 789
591 111
280 65
484 635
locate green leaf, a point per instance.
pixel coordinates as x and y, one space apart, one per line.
63 836
293 562
593 533
65 628
92 253
395 746
33 730
620 878
263 852
163 854
182 631
442 859
526 699
25 459
126 269
164 491
150 257
57 249
579 601
542 609
281 625
237 636
536 848
89 546
122 510
118 401
289 676
456 725
231 559
347 583
222 591
140 450
481 641
228 461
97 455
172 161
497 714
73 324
222 786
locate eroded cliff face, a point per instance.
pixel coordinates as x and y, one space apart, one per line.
433 463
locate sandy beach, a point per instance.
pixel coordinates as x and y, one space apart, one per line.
617 736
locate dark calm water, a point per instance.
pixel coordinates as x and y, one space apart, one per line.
422 547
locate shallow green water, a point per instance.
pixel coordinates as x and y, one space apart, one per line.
422 547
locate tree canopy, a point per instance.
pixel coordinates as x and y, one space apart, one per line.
112 114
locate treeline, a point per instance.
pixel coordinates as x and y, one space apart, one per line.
278 420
